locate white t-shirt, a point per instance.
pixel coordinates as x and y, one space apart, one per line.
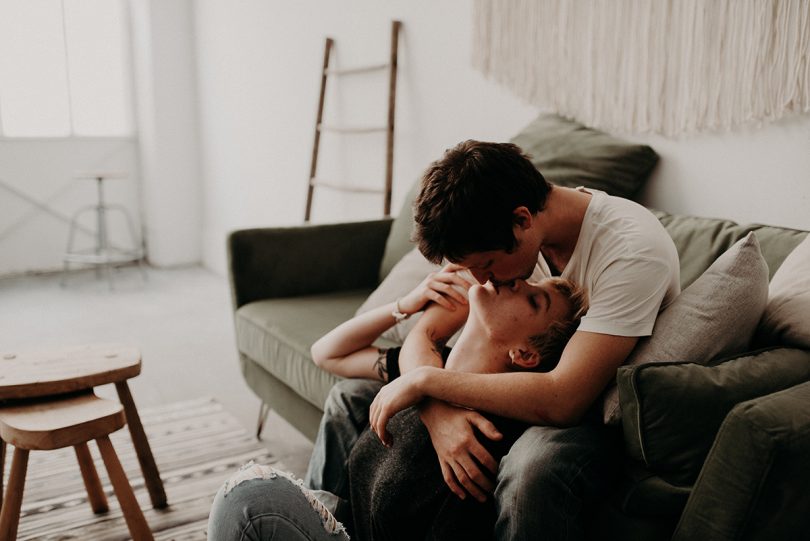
627 262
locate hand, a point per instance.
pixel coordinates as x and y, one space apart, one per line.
461 455
394 397
437 287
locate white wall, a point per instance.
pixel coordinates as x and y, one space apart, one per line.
167 112
164 190
756 174
258 64
43 169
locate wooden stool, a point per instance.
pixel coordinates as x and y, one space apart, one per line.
72 420
50 372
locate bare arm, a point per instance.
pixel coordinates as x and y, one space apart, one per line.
423 346
560 397
347 349
462 458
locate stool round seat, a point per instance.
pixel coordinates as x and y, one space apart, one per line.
53 423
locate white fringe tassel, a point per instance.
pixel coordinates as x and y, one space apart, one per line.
666 66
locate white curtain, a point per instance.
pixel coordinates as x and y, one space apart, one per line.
666 66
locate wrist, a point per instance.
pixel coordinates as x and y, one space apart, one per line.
398 312
423 376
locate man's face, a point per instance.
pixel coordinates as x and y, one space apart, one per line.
512 314
502 267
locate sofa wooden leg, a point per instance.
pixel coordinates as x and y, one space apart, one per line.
264 410
2 469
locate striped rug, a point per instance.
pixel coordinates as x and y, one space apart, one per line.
196 445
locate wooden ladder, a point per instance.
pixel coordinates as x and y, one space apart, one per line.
391 67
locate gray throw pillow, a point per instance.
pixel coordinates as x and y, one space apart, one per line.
787 315
715 316
570 154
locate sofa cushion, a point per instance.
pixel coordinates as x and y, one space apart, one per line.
672 411
787 315
754 483
570 154
702 240
278 333
715 316
399 240
643 493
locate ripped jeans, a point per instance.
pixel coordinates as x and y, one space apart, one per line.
263 503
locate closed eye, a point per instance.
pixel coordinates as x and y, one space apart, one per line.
535 305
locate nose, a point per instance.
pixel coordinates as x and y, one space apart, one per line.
517 285
480 275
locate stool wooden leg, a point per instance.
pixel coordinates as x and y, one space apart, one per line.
136 522
95 494
2 469
10 515
151 475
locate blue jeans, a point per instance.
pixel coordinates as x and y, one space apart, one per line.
345 415
548 484
259 503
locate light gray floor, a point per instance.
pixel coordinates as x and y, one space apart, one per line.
181 320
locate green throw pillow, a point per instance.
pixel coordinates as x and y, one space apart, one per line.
672 411
570 154
754 482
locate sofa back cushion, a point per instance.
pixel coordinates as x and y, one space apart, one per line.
702 240
570 154
399 239
787 315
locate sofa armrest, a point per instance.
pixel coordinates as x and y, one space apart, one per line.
305 260
754 482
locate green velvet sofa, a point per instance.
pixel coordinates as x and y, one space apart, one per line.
735 464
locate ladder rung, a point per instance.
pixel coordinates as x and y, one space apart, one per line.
352 129
358 69
321 183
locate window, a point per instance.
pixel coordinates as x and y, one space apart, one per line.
64 69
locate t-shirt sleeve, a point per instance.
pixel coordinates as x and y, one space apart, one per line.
626 297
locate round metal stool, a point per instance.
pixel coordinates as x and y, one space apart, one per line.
104 255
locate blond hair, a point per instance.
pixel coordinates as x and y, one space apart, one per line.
550 343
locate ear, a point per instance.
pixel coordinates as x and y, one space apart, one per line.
524 358
522 217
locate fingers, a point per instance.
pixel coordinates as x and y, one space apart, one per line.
485 426
450 480
378 420
484 458
439 298
472 479
445 291
453 267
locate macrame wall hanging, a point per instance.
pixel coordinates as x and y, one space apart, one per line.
665 66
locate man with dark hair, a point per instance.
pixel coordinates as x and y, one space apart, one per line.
485 207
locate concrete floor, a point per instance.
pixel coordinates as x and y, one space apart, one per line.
180 318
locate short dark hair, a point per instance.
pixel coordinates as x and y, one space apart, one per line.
468 196
551 343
